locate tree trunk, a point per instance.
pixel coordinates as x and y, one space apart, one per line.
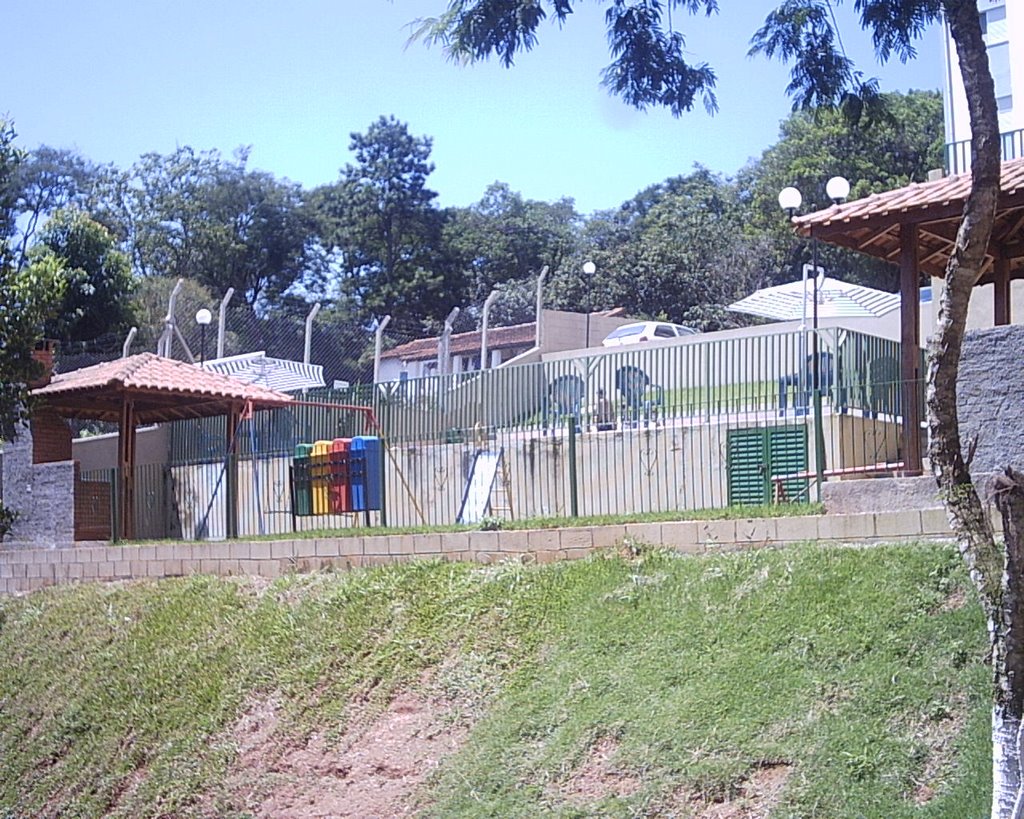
996 572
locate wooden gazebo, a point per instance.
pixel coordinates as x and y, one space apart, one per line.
147 389
915 228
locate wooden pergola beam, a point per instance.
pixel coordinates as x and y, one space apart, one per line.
126 467
910 332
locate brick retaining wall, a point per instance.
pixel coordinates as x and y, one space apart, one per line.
25 570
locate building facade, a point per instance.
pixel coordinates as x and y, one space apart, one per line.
1002 23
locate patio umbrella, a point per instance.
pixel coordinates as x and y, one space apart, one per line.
274 373
836 299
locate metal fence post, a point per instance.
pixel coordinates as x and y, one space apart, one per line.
115 508
574 492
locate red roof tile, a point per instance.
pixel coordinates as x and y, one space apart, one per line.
162 389
498 338
872 225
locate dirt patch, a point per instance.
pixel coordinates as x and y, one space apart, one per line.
597 778
956 599
939 736
752 798
375 769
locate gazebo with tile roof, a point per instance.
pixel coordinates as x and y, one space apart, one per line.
145 389
915 228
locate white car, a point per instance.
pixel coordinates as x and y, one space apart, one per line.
646 331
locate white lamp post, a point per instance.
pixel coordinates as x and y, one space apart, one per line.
589 269
203 318
837 189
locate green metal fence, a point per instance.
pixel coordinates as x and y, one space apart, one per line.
703 424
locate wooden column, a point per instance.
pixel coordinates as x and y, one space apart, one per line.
1001 290
231 477
126 469
910 334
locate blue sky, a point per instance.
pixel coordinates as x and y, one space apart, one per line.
118 78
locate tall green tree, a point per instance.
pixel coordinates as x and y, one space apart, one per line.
675 251
98 281
28 297
193 214
504 238
650 67
383 228
884 149
51 179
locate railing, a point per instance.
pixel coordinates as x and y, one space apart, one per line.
564 468
958 154
704 424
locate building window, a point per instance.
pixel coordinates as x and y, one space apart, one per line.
993 24
999 64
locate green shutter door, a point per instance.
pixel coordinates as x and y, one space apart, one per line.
757 453
747 478
787 453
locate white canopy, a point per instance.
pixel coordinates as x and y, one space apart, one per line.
836 299
275 373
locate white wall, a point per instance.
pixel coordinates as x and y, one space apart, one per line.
1009 31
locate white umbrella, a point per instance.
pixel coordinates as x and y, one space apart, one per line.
836 299
276 373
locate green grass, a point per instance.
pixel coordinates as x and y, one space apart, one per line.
116 699
755 394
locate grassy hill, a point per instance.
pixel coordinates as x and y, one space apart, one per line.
797 682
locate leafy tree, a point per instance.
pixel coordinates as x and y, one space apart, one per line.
380 221
650 69
194 215
98 279
149 306
894 146
51 179
28 298
505 238
675 251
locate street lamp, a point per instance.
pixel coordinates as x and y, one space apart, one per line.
203 318
589 269
789 200
837 189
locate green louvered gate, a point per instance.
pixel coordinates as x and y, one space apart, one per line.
758 453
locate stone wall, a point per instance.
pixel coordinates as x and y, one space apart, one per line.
41 494
29 570
990 397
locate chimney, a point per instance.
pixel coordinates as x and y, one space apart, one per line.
43 356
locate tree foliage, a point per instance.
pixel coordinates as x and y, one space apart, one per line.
381 226
650 64
899 145
51 179
28 297
98 281
504 239
195 215
675 251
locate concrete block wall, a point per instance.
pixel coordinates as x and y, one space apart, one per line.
990 397
41 493
32 569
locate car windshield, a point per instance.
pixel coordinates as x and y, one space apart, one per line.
627 330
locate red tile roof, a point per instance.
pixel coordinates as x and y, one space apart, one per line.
162 388
872 225
498 338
